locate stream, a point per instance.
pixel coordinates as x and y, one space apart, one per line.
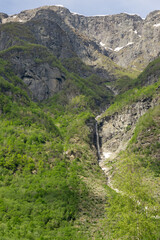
102 159
97 143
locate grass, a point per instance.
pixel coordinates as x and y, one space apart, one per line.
132 96
43 191
46 163
17 31
133 213
51 184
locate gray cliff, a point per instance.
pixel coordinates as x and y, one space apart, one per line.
128 40
101 42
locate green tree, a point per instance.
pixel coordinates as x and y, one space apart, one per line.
134 213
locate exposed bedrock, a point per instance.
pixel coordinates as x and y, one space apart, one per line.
116 130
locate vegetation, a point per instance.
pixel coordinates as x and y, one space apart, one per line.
151 71
134 213
17 31
132 96
75 65
145 141
42 205
51 184
135 79
44 161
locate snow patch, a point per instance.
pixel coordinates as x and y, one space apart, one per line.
130 30
130 43
74 13
117 49
132 14
104 169
59 5
107 154
109 48
156 25
100 15
99 116
20 20
102 44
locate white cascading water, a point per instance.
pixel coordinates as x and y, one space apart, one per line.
97 143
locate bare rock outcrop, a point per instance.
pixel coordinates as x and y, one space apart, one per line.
116 130
128 40
40 76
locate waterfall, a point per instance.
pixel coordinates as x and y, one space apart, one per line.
97 143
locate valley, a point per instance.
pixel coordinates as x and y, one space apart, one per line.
79 126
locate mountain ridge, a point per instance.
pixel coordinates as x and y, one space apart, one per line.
117 35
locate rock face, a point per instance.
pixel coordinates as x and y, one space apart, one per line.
50 34
3 16
41 78
50 29
115 131
128 40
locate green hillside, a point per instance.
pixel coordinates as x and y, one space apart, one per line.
47 159
133 211
51 184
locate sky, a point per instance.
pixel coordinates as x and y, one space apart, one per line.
85 7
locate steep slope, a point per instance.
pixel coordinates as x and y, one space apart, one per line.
51 184
69 42
118 122
58 42
47 190
44 75
129 140
134 178
123 37
34 65
128 40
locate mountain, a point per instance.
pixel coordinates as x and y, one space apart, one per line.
89 39
67 173
133 34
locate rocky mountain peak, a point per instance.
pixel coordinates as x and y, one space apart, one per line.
3 16
127 39
27 15
155 15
